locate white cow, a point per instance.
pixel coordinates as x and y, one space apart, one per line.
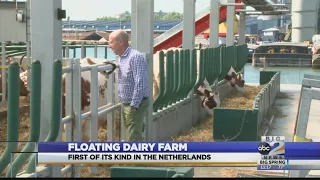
85 96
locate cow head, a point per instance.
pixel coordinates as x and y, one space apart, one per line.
23 89
210 99
234 78
105 73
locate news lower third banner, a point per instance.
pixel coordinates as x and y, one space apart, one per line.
167 152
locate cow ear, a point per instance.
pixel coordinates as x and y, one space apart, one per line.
90 62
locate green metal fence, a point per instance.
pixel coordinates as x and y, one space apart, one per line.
13 118
180 75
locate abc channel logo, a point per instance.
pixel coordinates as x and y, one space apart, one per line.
265 148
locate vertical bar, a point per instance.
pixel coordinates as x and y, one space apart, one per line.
230 24
94 109
242 29
3 73
66 59
189 29
188 32
106 52
76 98
214 23
13 115
29 63
134 27
143 28
110 100
149 130
34 121
121 124
82 51
55 120
69 104
95 55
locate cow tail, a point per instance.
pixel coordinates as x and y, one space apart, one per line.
21 62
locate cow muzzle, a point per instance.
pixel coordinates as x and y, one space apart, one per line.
114 67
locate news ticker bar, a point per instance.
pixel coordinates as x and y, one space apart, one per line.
292 150
288 167
154 158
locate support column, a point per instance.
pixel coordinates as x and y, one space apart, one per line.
143 24
188 33
242 28
230 24
214 23
46 47
133 23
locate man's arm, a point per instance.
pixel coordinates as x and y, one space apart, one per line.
139 68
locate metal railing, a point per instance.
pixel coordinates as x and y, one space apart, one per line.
266 97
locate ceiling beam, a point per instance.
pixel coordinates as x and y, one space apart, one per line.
252 5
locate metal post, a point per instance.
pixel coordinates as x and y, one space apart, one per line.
188 33
242 28
230 24
46 53
134 23
3 72
188 41
214 23
144 28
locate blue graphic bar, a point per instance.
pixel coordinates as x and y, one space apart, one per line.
292 149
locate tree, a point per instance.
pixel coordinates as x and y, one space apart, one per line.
158 16
173 16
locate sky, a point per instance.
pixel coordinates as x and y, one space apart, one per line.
92 9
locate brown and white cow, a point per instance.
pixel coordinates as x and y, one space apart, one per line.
209 99
23 81
85 95
236 81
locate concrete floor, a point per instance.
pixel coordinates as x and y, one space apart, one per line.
281 126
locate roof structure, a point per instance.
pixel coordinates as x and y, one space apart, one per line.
113 25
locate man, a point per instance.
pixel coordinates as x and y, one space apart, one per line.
133 87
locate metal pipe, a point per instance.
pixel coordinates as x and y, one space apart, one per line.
247 10
251 5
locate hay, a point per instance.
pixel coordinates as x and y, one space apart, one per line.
203 130
246 102
23 131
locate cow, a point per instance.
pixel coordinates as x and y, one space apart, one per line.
22 83
85 95
209 99
236 81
